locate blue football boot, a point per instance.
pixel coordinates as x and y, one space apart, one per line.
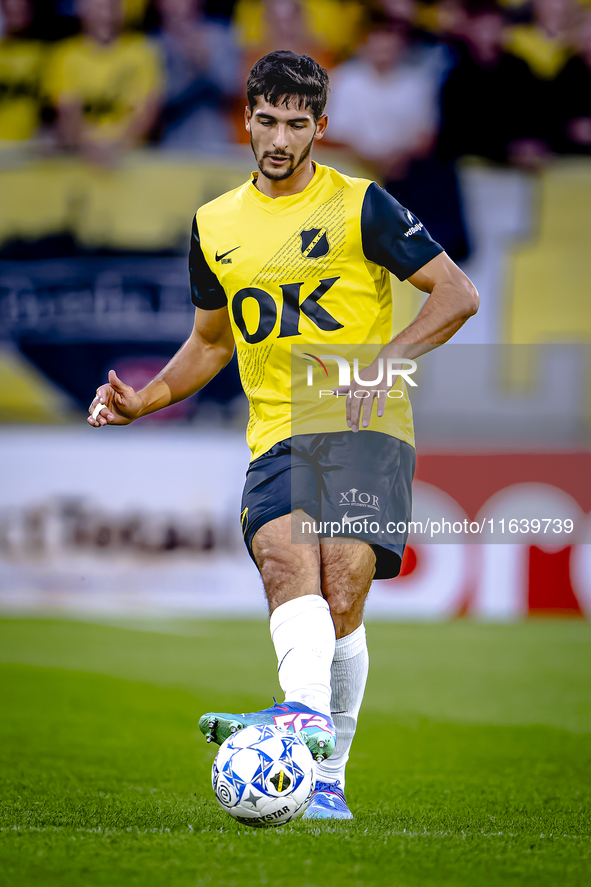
317 730
328 802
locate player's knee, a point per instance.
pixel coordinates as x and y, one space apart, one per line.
274 567
286 575
340 605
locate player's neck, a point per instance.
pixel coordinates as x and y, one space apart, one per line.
299 180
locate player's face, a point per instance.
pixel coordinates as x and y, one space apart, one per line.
281 137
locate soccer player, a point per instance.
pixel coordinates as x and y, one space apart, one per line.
300 255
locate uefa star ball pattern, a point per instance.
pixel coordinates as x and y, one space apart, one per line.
263 776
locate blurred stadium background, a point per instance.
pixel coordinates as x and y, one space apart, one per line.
118 118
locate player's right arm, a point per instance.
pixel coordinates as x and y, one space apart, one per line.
207 350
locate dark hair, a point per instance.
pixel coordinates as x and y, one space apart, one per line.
282 75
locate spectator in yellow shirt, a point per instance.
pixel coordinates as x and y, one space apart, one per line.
544 44
21 61
105 84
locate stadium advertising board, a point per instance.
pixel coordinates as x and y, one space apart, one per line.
176 546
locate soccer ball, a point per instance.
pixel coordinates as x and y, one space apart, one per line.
263 776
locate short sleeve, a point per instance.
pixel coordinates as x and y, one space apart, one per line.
206 290
392 237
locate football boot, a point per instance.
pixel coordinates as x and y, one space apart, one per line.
317 730
327 802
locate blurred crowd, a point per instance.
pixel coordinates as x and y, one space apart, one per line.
414 85
60 526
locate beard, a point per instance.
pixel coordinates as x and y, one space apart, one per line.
280 175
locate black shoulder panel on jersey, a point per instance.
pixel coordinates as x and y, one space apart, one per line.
392 237
206 290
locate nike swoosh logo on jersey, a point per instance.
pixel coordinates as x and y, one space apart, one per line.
223 255
355 517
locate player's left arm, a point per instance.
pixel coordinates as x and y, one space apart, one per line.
396 240
453 299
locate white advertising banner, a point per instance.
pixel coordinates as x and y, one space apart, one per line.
146 520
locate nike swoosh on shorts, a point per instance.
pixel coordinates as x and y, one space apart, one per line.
350 519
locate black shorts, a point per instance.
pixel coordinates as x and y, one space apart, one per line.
355 485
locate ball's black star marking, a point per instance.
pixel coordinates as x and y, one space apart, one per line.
251 799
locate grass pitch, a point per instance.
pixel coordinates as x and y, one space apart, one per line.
471 765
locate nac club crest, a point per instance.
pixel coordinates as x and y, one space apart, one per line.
314 243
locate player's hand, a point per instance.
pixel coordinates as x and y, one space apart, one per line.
121 403
361 396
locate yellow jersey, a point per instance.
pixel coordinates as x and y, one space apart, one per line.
545 56
108 80
21 63
305 277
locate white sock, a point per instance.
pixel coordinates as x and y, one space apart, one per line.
348 675
303 634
